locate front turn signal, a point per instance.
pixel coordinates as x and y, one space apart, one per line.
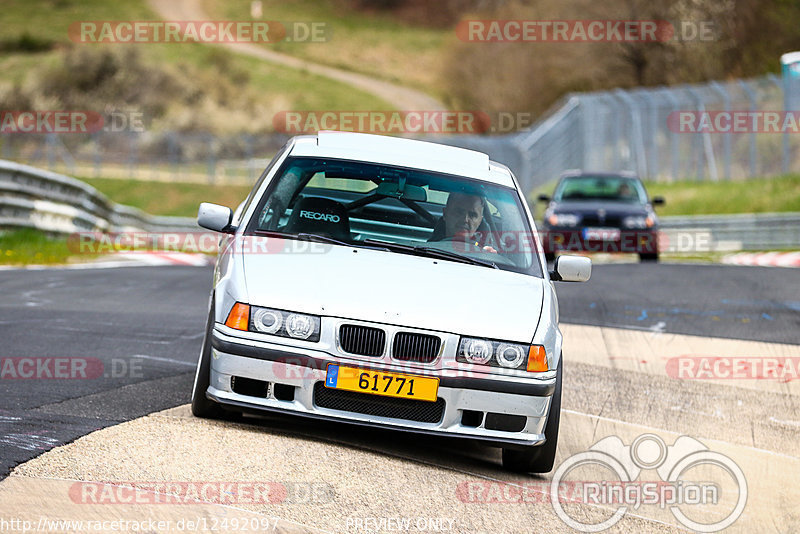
239 317
537 359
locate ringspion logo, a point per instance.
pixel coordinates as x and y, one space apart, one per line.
690 478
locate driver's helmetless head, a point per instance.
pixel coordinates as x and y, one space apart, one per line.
463 214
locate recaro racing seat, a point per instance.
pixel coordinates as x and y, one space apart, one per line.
322 216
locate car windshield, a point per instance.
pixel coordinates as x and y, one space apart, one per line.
400 210
613 188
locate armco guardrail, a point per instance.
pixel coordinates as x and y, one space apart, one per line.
36 198
767 231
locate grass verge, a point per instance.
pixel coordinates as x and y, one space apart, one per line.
33 247
368 43
167 198
757 195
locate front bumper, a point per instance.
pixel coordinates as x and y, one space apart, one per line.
298 370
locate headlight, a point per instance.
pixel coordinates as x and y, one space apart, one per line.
300 326
638 222
510 356
476 350
502 354
284 323
564 219
267 321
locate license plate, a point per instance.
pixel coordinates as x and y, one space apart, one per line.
381 383
601 234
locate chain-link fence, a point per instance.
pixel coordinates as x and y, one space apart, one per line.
717 131
164 156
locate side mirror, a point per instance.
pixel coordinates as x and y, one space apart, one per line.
571 269
543 198
659 201
215 217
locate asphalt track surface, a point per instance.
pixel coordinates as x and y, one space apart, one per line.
755 303
145 325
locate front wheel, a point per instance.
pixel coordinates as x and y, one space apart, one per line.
650 257
202 406
539 459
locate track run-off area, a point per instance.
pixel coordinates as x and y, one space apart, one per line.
697 358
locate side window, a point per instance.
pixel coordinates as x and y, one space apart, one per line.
242 209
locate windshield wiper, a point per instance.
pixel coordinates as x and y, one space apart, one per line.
446 254
421 250
321 239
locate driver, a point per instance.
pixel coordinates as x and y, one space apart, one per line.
463 214
624 191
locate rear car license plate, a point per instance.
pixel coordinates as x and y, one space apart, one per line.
382 383
601 234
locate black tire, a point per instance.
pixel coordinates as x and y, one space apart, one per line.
650 257
202 406
550 256
539 459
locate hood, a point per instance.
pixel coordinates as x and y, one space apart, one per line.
394 288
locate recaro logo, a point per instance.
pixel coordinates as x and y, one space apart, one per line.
319 216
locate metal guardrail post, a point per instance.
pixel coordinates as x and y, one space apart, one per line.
96 154
652 132
5 143
673 135
132 152
706 136
726 137
617 129
636 142
211 163
751 96
782 87
786 88
587 129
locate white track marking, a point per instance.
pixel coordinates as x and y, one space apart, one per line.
167 360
